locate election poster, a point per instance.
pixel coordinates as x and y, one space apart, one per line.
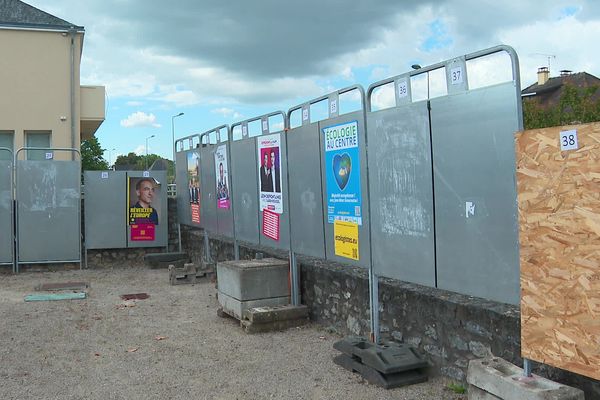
222 177
269 166
345 236
143 200
342 173
193 174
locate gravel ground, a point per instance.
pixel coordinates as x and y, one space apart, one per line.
170 346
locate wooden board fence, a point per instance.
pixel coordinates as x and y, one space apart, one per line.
559 233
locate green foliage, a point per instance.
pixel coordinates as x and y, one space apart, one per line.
92 156
576 105
140 163
457 388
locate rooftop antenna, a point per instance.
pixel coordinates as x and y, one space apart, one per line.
548 56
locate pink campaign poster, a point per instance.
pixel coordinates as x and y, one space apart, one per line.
269 167
222 175
143 200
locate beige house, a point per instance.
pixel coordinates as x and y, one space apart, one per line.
42 102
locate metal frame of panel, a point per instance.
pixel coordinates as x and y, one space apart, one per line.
183 196
284 220
161 233
364 233
225 215
245 183
305 185
477 243
401 186
105 209
208 203
10 199
61 234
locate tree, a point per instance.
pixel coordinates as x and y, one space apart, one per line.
92 156
576 105
139 163
130 160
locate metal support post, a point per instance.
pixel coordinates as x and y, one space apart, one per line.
295 280
527 367
374 302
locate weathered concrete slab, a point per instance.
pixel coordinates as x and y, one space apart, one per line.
48 287
236 308
506 381
478 394
263 315
256 327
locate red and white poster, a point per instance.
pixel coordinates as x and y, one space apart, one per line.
269 168
270 226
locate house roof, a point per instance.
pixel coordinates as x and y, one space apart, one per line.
580 79
15 13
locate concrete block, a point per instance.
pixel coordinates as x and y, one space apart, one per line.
246 280
478 394
236 308
259 327
272 314
506 381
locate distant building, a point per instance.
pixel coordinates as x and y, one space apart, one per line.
42 102
548 91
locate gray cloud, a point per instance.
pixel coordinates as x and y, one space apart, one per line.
259 39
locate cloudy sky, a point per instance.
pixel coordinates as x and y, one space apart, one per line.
223 61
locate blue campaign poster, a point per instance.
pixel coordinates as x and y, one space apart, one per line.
342 172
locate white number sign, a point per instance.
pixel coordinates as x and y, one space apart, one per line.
456 75
568 140
265 125
244 130
333 107
402 88
305 114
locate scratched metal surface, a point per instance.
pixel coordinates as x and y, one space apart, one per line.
475 192
401 188
244 172
6 203
48 194
306 205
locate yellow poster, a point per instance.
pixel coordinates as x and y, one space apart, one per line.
345 235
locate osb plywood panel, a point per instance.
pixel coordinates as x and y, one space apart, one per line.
559 232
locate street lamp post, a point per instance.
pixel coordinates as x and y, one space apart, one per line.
417 66
146 160
173 132
110 156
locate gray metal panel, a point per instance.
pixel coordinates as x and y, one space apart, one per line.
363 230
225 215
284 217
474 160
6 204
48 207
208 202
306 207
245 189
161 234
401 190
105 209
183 193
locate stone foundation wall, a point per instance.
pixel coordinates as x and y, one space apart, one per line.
448 328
